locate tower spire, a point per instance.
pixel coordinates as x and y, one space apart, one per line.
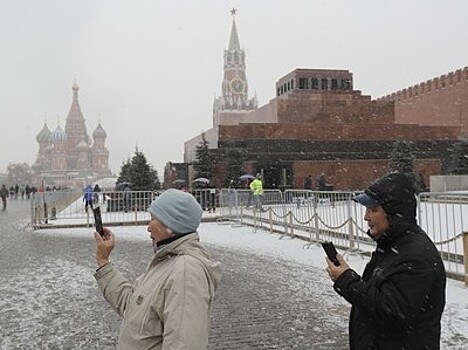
234 43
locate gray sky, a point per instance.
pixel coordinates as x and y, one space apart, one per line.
149 69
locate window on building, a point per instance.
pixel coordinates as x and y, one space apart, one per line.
278 92
324 84
289 86
292 84
303 83
345 84
314 83
334 84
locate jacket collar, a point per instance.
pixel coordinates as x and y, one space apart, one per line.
177 245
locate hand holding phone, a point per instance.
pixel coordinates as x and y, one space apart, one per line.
331 252
98 220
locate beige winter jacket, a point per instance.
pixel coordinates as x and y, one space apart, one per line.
168 307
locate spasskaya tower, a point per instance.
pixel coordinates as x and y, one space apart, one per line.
234 100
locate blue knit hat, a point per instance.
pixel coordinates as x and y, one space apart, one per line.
178 210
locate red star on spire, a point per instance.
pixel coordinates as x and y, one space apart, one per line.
233 11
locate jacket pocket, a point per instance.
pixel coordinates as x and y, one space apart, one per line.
140 317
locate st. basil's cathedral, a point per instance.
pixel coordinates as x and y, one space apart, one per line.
69 157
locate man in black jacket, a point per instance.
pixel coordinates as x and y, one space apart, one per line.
399 300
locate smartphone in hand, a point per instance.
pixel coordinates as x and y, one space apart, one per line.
331 252
98 220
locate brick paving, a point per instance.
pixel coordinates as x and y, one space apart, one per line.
49 299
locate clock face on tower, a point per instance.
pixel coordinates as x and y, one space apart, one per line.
237 86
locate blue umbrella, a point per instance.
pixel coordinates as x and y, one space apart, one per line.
246 177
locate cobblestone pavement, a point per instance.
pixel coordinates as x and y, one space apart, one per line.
49 299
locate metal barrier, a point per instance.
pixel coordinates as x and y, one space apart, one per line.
444 216
313 215
332 215
208 198
62 208
67 208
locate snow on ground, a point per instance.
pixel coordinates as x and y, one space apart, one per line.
278 246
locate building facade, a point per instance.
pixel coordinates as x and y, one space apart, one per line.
318 123
69 157
330 129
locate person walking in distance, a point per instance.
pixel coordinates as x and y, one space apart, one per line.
169 306
4 195
88 197
257 189
398 301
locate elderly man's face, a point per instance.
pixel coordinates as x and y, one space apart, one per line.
377 220
158 231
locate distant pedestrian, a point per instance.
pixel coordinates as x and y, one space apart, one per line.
250 195
96 191
4 195
321 183
168 307
28 192
398 301
88 197
257 190
308 182
126 198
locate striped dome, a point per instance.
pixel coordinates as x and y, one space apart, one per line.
59 134
44 135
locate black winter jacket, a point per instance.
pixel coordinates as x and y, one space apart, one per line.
399 300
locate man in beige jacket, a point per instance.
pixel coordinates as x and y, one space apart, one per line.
168 307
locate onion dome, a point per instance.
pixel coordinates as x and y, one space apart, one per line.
99 133
59 134
82 146
44 134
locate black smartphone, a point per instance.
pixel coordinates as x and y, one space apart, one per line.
331 252
98 220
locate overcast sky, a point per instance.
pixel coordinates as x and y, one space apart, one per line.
149 69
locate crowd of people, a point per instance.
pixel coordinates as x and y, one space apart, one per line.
16 192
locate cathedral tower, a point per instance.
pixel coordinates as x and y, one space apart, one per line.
75 126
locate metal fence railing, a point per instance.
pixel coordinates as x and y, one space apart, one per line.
313 215
64 208
332 215
67 208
